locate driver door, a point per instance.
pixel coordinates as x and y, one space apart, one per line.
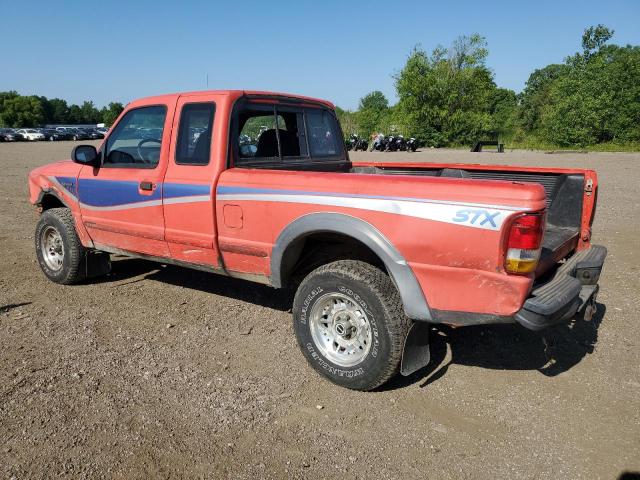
121 202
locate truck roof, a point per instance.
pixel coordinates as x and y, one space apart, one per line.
235 94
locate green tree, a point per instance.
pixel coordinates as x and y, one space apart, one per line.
373 113
594 38
55 110
348 121
5 97
111 112
535 96
89 112
59 110
503 110
597 101
19 111
596 96
446 97
75 114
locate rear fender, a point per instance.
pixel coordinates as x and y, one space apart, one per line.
413 300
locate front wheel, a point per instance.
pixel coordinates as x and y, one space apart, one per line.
349 324
58 248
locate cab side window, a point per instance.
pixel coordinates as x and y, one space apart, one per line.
257 139
137 139
194 134
286 136
271 135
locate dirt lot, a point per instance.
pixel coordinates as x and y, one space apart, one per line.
162 372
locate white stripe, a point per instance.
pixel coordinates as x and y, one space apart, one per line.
191 199
124 206
149 203
440 212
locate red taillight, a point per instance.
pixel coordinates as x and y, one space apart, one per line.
523 243
526 232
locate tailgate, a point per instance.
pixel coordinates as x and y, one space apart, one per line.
570 198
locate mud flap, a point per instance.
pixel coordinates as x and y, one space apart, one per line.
416 349
96 264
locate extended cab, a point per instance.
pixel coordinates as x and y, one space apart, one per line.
258 186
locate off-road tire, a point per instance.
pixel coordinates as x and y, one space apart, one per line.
374 293
61 219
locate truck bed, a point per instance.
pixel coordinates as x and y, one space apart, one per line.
564 191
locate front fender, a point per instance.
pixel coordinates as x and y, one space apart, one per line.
42 185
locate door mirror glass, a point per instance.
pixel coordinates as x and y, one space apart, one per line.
85 155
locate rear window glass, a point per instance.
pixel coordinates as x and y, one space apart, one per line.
323 134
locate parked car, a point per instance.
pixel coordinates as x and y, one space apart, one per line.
8 135
78 134
30 134
376 252
93 134
52 134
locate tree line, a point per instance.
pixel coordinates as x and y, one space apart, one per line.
31 111
449 97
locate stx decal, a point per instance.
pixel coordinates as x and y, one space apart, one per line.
479 217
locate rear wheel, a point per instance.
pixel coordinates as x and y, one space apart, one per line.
349 324
58 248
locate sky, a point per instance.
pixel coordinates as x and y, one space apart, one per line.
106 51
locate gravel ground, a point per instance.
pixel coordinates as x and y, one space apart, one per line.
157 371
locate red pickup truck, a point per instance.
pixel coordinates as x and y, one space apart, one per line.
258 185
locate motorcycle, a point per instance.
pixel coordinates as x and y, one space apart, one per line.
412 145
355 143
379 144
361 144
401 143
350 142
392 145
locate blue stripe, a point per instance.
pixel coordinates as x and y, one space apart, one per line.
173 190
69 183
111 193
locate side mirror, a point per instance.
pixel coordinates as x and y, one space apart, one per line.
85 155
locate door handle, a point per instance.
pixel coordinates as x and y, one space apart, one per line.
146 186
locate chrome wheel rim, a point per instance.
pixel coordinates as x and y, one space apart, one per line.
52 248
340 329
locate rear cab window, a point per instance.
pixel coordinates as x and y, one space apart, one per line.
194 134
286 136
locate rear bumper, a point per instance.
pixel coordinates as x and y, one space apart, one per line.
572 289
